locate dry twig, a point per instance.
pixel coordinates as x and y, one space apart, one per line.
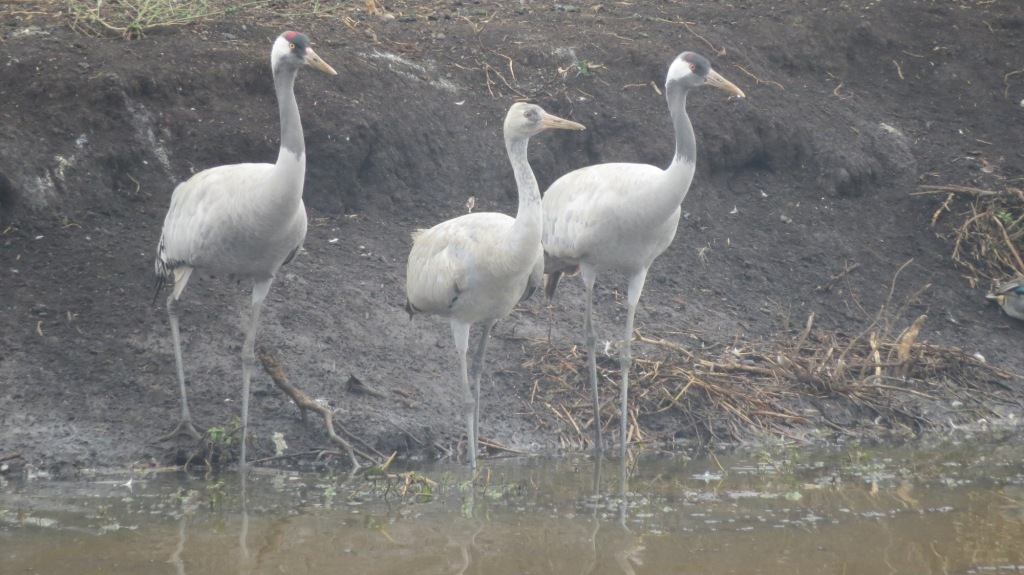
275 370
758 80
990 237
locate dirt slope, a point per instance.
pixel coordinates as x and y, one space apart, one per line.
850 106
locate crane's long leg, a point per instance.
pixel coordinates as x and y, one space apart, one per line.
185 425
636 285
589 276
460 332
478 370
623 491
260 289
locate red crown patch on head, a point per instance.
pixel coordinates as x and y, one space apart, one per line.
289 35
689 57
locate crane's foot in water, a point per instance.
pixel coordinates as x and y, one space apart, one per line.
184 427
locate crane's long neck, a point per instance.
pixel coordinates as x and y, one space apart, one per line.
290 169
686 142
676 181
526 232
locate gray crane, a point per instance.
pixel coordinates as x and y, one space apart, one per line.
621 216
476 267
243 221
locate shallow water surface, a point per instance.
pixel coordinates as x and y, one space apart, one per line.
954 509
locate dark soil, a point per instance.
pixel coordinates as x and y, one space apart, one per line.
851 105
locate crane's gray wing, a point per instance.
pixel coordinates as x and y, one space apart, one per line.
215 223
450 258
590 206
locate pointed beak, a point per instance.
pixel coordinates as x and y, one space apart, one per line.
315 61
715 79
549 122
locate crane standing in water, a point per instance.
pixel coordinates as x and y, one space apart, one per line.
477 267
243 221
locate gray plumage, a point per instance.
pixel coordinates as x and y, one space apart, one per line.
476 267
241 221
622 216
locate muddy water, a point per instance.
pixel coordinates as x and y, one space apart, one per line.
954 509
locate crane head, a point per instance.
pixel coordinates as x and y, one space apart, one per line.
293 49
528 119
691 70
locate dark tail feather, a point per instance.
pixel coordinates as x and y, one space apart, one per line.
160 278
161 270
158 285
551 284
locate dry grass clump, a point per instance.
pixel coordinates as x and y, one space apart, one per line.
136 18
813 383
989 235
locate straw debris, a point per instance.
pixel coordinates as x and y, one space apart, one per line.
816 383
989 234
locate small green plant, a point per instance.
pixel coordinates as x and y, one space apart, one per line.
219 437
327 498
781 464
581 67
374 472
217 443
215 493
1013 224
858 457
